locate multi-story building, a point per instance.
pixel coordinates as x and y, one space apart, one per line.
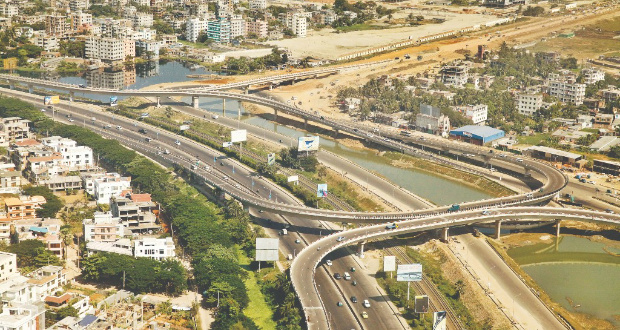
219 30
328 17
22 208
8 10
74 157
56 25
137 212
237 28
258 4
431 120
111 79
592 75
296 21
143 20
8 265
259 28
225 8
149 48
42 167
78 5
477 113
47 280
572 93
528 104
611 93
80 20
110 185
109 49
103 228
10 182
194 28
23 317
455 75
47 43
13 129
154 248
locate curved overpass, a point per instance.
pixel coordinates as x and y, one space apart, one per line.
309 258
555 182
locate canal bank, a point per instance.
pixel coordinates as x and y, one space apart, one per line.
577 274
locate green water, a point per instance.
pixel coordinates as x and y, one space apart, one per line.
575 270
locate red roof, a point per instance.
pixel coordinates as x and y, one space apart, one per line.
58 300
140 197
27 142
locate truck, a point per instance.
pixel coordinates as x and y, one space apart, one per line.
454 208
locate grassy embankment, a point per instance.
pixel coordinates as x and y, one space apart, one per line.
477 182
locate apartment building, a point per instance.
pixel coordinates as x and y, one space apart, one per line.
528 104
104 227
258 4
572 93
22 208
219 31
477 113
143 20
11 182
78 5
8 265
12 129
137 212
23 317
296 21
455 75
74 157
110 185
154 248
8 10
611 93
47 280
111 79
259 28
194 28
431 120
109 49
79 20
592 75
148 48
56 25
47 43
237 28
5 229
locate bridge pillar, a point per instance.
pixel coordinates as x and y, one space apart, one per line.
246 90
275 113
336 132
158 103
305 123
360 249
30 88
498 229
444 234
11 85
71 96
195 102
224 107
527 172
557 228
270 87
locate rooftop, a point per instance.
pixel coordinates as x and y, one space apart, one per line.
483 131
553 151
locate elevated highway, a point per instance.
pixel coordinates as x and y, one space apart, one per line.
310 257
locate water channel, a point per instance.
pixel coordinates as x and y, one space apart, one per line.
436 189
581 275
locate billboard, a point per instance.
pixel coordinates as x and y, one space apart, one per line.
409 273
54 99
293 178
421 304
239 135
439 320
308 143
227 144
321 190
389 263
184 127
267 249
113 101
271 159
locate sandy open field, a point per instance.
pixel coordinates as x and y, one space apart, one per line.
326 44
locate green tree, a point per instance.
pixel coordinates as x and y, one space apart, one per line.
52 205
66 311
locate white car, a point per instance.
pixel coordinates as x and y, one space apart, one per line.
328 262
119 128
71 120
177 142
366 303
42 110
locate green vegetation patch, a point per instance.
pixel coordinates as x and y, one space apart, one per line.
533 140
361 27
258 310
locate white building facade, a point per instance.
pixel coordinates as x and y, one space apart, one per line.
528 104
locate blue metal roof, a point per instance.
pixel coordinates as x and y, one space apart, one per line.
87 320
482 131
42 230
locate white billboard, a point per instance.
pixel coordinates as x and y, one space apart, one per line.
239 135
293 178
267 249
439 320
308 143
389 263
184 127
409 273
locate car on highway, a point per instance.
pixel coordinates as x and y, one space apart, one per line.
502 155
337 276
610 211
107 126
328 262
353 269
297 241
354 283
391 226
340 239
520 160
366 303
177 142
364 315
485 212
339 304
71 119
43 110
354 299
118 127
148 139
